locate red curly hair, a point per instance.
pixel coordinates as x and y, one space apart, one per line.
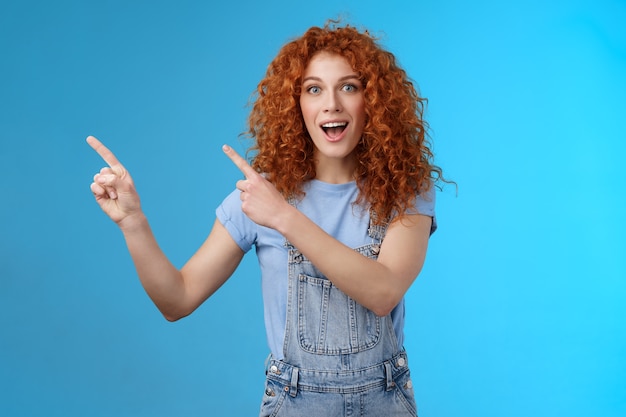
394 157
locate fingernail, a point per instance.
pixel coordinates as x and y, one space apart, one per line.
225 148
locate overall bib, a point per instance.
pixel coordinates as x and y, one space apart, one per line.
340 359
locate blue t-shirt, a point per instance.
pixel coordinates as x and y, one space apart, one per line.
331 207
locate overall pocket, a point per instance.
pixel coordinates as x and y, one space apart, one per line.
330 322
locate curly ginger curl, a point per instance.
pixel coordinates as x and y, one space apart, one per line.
394 157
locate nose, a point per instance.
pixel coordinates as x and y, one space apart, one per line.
332 103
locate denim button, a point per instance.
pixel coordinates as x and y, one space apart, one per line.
408 384
401 362
297 257
274 369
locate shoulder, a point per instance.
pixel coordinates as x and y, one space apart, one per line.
424 204
240 227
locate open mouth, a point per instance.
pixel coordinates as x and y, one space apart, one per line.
334 129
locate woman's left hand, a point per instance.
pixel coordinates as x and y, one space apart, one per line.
260 200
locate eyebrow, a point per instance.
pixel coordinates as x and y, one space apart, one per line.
344 78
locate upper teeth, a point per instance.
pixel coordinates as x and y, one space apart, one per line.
334 124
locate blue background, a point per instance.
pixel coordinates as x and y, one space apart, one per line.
520 309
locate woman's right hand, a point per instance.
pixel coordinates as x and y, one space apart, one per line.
113 187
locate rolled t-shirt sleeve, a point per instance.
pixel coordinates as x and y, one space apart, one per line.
425 205
239 226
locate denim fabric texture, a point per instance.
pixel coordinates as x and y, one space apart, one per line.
340 359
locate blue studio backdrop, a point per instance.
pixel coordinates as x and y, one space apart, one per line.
521 306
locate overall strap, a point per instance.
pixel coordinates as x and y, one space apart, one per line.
377 231
291 200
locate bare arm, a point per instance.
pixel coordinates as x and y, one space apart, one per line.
376 284
176 293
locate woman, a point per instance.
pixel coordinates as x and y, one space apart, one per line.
339 204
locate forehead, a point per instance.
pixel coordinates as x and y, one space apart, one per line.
329 64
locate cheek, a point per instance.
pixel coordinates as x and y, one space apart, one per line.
361 117
308 116
358 109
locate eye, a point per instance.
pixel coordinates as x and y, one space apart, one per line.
314 89
349 88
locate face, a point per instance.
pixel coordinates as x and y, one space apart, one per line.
333 109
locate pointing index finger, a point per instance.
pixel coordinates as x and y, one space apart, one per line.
103 151
241 163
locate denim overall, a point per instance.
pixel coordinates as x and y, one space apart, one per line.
340 358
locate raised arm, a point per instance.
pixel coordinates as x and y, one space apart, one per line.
175 293
376 284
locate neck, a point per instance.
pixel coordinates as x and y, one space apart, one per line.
335 171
